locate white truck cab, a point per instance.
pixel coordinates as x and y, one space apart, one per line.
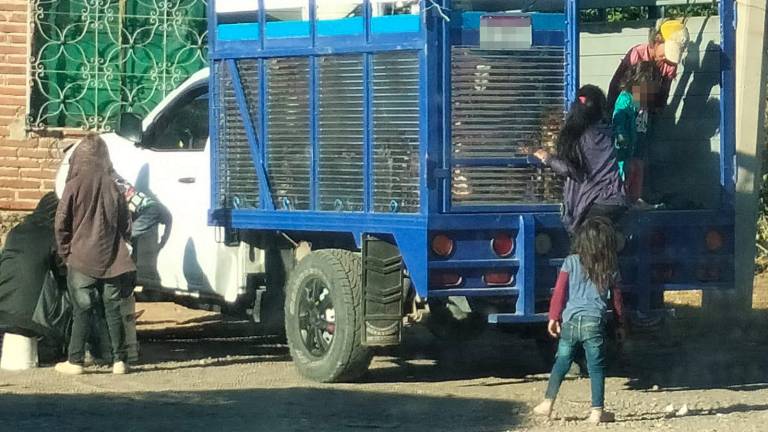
169 160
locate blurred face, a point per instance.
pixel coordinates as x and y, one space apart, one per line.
643 94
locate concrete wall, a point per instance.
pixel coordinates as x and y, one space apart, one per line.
684 156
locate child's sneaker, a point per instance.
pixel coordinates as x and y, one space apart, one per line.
120 368
599 415
544 409
68 368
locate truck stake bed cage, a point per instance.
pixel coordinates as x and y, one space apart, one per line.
405 129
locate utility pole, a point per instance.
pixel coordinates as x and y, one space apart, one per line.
751 72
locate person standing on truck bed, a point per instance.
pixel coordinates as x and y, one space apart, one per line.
630 125
587 158
92 229
665 46
664 49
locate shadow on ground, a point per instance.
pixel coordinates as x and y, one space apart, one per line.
659 415
701 351
211 340
274 410
694 351
425 358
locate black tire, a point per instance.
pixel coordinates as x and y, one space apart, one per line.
344 358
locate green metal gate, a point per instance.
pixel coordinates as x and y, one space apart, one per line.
92 59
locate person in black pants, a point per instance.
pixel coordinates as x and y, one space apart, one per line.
92 229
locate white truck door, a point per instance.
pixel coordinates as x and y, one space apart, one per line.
178 175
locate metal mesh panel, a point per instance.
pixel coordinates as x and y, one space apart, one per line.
504 105
340 132
289 132
396 132
237 182
505 185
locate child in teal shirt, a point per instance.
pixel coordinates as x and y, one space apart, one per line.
631 124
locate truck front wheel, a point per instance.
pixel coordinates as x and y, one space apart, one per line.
324 316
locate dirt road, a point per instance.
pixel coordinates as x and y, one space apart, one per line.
202 373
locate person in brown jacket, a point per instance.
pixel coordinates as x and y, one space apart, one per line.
92 229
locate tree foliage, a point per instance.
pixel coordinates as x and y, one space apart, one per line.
636 13
762 218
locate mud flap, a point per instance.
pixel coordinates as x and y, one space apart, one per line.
382 292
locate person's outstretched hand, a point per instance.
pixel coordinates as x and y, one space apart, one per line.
554 328
541 155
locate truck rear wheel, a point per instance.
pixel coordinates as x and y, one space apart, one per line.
324 316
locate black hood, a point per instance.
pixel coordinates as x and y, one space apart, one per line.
45 211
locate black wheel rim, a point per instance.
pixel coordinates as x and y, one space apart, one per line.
317 317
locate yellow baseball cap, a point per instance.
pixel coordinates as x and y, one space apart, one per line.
675 37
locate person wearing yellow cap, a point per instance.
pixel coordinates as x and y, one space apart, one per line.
665 47
663 51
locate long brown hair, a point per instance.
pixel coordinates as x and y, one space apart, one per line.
595 244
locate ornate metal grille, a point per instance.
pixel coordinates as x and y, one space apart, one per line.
92 59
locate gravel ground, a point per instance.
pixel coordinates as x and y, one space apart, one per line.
200 372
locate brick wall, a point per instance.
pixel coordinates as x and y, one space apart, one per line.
28 160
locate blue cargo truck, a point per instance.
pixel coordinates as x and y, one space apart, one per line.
394 138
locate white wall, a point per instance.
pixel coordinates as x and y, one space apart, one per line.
684 154
335 9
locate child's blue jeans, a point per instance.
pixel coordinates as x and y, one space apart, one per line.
588 332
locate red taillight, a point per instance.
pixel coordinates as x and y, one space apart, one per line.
497 278
445 279
442 245
503 245
713 240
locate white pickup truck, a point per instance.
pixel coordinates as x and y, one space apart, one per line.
170 162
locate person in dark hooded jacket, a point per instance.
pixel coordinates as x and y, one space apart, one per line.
93 227
587 159
30 301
